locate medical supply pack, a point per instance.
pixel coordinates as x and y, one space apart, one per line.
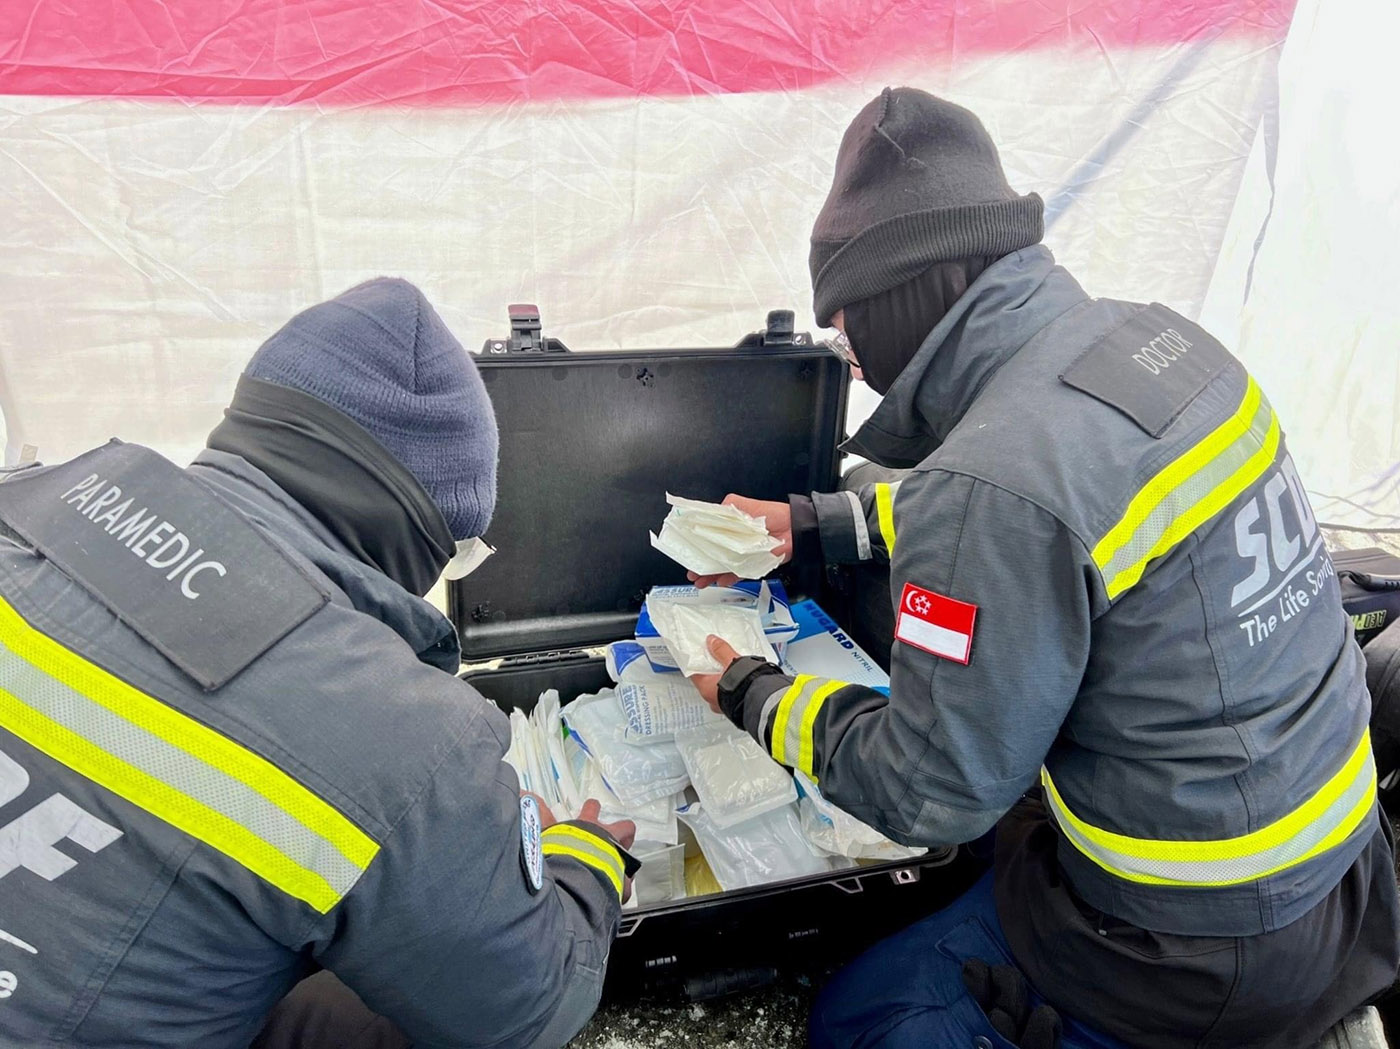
590 443
714 539
748 614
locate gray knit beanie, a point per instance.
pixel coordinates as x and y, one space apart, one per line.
918 181
380 354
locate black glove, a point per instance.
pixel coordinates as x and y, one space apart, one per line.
1004 996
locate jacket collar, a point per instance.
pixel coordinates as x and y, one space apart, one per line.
1004 308
252 492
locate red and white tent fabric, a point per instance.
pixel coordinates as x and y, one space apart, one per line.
181 178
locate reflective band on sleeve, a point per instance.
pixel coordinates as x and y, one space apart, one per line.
778 736
796 721
884 510
589 849
1189 491
176 768
806 746
861 527
1322 822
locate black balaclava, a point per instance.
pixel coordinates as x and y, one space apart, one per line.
887 329
336 470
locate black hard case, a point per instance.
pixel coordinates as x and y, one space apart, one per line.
590 444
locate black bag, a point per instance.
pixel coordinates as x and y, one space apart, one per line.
1370 581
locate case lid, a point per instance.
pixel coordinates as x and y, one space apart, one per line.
591 442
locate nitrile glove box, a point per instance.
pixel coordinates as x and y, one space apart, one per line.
590 444
778 625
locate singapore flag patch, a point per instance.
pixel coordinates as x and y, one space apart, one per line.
935 623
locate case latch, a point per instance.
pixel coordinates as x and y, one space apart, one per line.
777 331
525 335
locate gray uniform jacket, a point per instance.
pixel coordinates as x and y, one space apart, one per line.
1106 581
175 856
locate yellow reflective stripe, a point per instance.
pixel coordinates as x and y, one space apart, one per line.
588 849
884 509
1171 491
809 721
780 718
181 811
333 851
1328 816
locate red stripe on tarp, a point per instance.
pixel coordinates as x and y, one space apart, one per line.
448 52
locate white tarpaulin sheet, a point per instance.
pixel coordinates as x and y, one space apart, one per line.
180 179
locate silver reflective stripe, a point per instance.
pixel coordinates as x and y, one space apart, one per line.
769 706
792 728
1232 870
177 769
862 526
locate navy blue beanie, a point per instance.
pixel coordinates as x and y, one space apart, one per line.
380 354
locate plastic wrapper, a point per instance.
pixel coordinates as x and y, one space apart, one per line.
768 848
767 598
835 831
635 772
732 776
657 710
713 539
686 627
662 876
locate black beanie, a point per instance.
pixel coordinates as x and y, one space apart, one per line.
918 181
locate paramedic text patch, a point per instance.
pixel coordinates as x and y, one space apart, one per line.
1150 368
936 624
182 568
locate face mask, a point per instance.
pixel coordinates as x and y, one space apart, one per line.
468 558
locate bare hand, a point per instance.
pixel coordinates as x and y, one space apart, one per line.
624 832
708 684
777 516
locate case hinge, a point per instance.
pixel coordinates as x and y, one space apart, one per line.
525 334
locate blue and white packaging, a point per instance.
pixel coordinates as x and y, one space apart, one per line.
823 649
779 626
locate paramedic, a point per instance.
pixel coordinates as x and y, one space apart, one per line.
232 748
1118 639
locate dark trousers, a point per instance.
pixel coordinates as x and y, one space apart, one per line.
322 1013
1280 990
1113 982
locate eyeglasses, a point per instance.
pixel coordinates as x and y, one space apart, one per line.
841 346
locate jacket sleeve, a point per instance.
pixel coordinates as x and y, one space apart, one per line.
848 526
953 746
444 933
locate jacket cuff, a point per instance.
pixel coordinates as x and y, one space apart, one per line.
806 535
593 847
841 524
735 682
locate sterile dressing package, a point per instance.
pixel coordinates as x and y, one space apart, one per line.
836 831
732 776
714 539
636 771
764 849
656 711
767 598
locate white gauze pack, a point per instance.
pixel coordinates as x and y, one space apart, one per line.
662 876
768 848
732 776
686 627
635 772
657 710
836 831
713 539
